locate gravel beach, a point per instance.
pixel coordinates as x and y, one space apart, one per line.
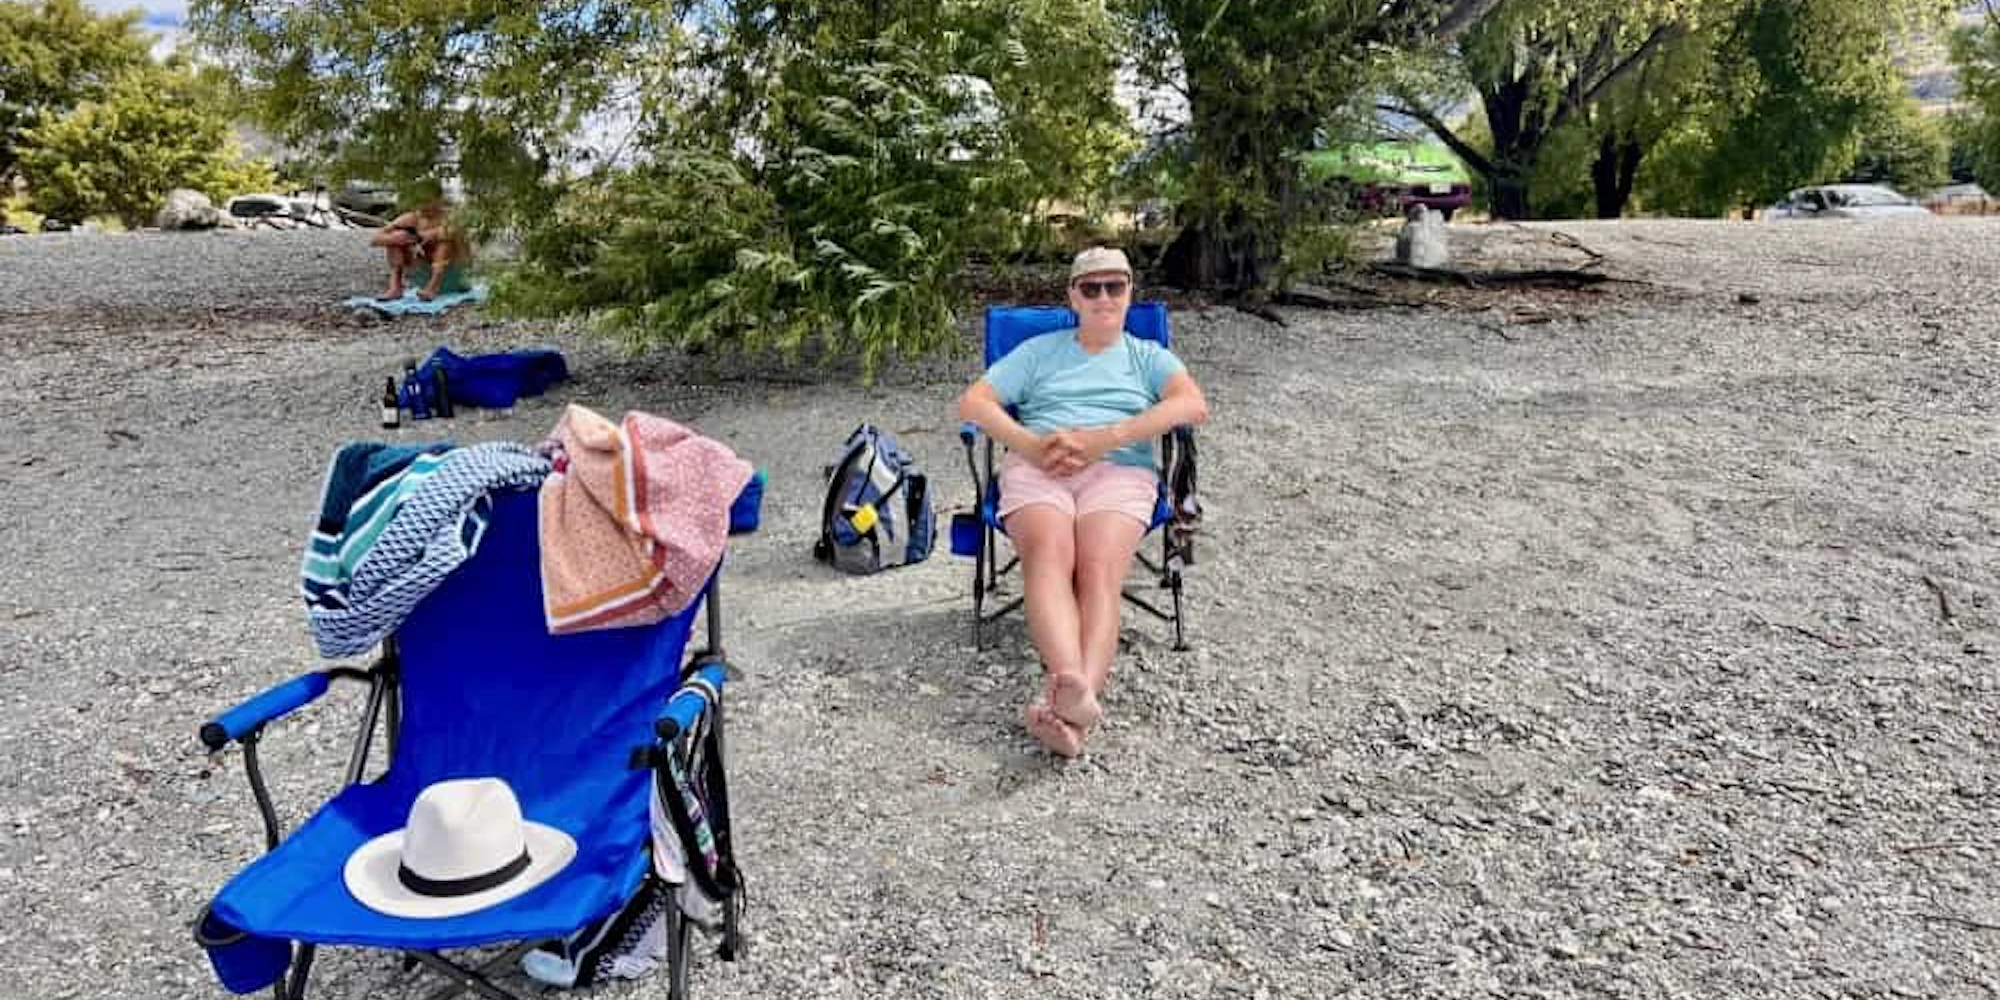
1631 642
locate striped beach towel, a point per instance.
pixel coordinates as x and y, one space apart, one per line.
633 519
362 574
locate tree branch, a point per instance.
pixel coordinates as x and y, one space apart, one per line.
1607 39
1458 16
1660 36
1472 157
1663 35
1462 15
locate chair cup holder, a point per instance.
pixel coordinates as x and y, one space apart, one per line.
966 532
244 962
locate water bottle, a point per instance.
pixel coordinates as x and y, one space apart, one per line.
414 394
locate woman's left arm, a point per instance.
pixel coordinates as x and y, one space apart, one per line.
1181 405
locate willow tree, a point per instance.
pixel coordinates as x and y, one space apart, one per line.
790 174
1261 80
55 55
1975 51
1772 78
1538 66
396 90
1794 92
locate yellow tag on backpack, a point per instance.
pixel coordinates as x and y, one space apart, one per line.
864 517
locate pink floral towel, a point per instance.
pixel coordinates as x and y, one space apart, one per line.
633 519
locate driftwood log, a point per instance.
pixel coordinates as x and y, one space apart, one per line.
1532 278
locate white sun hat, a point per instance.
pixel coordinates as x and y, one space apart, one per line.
464 848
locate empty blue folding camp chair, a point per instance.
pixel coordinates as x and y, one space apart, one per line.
581 726
978 534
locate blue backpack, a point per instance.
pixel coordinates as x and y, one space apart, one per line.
878 508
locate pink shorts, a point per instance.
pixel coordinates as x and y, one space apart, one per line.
1126 489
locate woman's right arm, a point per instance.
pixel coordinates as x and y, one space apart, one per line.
981 405
394 234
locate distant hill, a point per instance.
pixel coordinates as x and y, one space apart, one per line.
1926 63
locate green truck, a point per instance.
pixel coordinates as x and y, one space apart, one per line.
1391 176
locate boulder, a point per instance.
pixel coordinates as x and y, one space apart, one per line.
187 209
1422 241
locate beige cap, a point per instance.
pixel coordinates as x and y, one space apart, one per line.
1099 259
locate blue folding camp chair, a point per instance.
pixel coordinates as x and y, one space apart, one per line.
472 685
978 533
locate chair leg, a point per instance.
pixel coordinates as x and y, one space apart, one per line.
463 979
979 596
294 982
732 927
1180 637
678 930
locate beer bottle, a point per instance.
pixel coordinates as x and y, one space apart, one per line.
392 409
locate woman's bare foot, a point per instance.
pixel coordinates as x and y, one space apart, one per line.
1073 701
395 292
1061 738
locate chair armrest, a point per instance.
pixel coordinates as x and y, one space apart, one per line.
261 709
694 697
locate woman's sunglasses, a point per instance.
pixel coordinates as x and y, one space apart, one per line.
1092 289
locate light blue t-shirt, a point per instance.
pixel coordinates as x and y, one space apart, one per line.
1054 384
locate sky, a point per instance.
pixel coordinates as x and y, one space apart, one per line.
159 13
166 19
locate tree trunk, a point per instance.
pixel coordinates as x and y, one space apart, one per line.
1613 172
1517 141
1507 190
1213 254
1225 246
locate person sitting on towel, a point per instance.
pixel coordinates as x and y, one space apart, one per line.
425 248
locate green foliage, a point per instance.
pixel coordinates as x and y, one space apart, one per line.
1721 100
1265 83
887 154
54 55
1805 81
1962 134
119 155
796 175
1976 131
394 90
1559 184
1793 93
1903 149
1554 77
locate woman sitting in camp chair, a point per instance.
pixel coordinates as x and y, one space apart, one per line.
1078 485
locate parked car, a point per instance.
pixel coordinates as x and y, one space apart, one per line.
264 205
368 198
1389 177
1959 199
1845 201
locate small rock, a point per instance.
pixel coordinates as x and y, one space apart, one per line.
1421 243
186 209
